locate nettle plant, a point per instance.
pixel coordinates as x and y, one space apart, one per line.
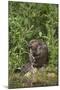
52 43
29 21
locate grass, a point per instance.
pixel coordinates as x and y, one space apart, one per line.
29 21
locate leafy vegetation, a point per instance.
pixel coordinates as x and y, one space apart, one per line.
29 21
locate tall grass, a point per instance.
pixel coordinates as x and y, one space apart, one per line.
32 21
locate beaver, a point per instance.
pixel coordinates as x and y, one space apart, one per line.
38 55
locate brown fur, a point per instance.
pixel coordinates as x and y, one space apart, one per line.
39 51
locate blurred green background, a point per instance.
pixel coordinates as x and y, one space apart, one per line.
29 21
